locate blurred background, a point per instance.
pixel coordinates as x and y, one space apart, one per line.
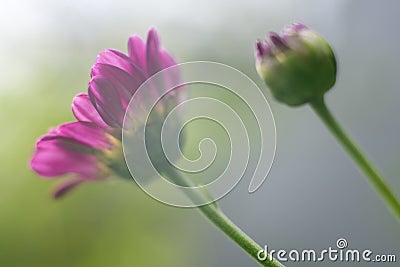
314 193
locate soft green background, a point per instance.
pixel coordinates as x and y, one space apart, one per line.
314 194
102 224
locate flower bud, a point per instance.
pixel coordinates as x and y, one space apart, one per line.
298 65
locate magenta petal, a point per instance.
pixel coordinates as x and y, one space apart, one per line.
262 49
119 60
293 29
84 110
57 156
50 135
107 101
125 84
278 41
66 187
153 53
159 59
166 59
85 133
137 51
172 76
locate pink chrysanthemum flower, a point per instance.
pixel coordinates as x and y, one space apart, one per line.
90 148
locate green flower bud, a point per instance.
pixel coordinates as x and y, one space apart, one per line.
298 65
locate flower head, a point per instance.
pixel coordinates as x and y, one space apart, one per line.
298 65
90 149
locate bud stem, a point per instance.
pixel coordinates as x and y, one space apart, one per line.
373 176
219 219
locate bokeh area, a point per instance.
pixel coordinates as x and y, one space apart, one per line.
314 193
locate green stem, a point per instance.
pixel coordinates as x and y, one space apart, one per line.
219 219
374 178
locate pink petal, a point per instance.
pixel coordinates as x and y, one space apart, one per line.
125 84
119 60
137 51
166 59
107 101
84 110
159 59
57 156
153 53
85 133
172 76
66 187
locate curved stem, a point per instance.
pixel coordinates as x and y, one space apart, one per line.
373 176
219 219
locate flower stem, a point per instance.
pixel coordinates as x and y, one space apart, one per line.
219 219
373 176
